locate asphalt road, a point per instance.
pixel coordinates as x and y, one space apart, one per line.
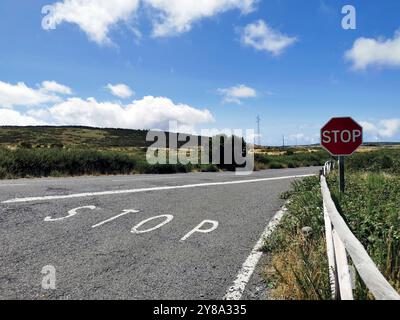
97 256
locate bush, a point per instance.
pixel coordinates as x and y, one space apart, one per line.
276 165
261 158
209 168
385 160
291 159
46 162
3 173
292 164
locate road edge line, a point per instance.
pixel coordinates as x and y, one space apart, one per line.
235 292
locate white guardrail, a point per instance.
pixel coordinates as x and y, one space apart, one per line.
340 241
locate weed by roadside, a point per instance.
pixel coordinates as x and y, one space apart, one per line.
298 269
370 206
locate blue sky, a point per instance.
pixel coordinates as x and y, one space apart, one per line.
141 63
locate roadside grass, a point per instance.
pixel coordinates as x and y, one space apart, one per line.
371 207
43 151
59 160
298 269
386 160
291 159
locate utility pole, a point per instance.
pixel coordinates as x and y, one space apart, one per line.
283 140
258 130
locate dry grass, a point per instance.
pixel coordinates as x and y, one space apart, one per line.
297 273
298 267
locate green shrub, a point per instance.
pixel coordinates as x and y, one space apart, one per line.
47 162
261 158
209 168
292 164
276 165
292 160
370 207
385 160
3 173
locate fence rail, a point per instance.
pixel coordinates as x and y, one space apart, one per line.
340 241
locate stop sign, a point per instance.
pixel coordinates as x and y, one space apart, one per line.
341 136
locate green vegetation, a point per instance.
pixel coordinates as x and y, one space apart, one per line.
383 161
44 151
291 159
21 163
298 268
81 137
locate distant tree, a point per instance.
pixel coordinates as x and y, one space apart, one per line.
289 152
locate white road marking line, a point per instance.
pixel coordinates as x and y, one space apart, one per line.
115 192
235 292
145 179
181 176
125 212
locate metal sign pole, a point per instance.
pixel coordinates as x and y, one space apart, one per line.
342 184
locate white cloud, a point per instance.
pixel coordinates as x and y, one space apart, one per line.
383 129
375 52
14 118
169 17
237 93
147 113
263 38
177 16
120 90
52 86
21 95
94 17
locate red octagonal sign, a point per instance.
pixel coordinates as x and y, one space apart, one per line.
341 136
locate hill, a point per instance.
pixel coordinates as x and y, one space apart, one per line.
93 138
77 136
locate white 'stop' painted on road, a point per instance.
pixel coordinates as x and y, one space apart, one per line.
116 192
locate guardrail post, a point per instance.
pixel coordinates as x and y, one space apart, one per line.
343 271
330 249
